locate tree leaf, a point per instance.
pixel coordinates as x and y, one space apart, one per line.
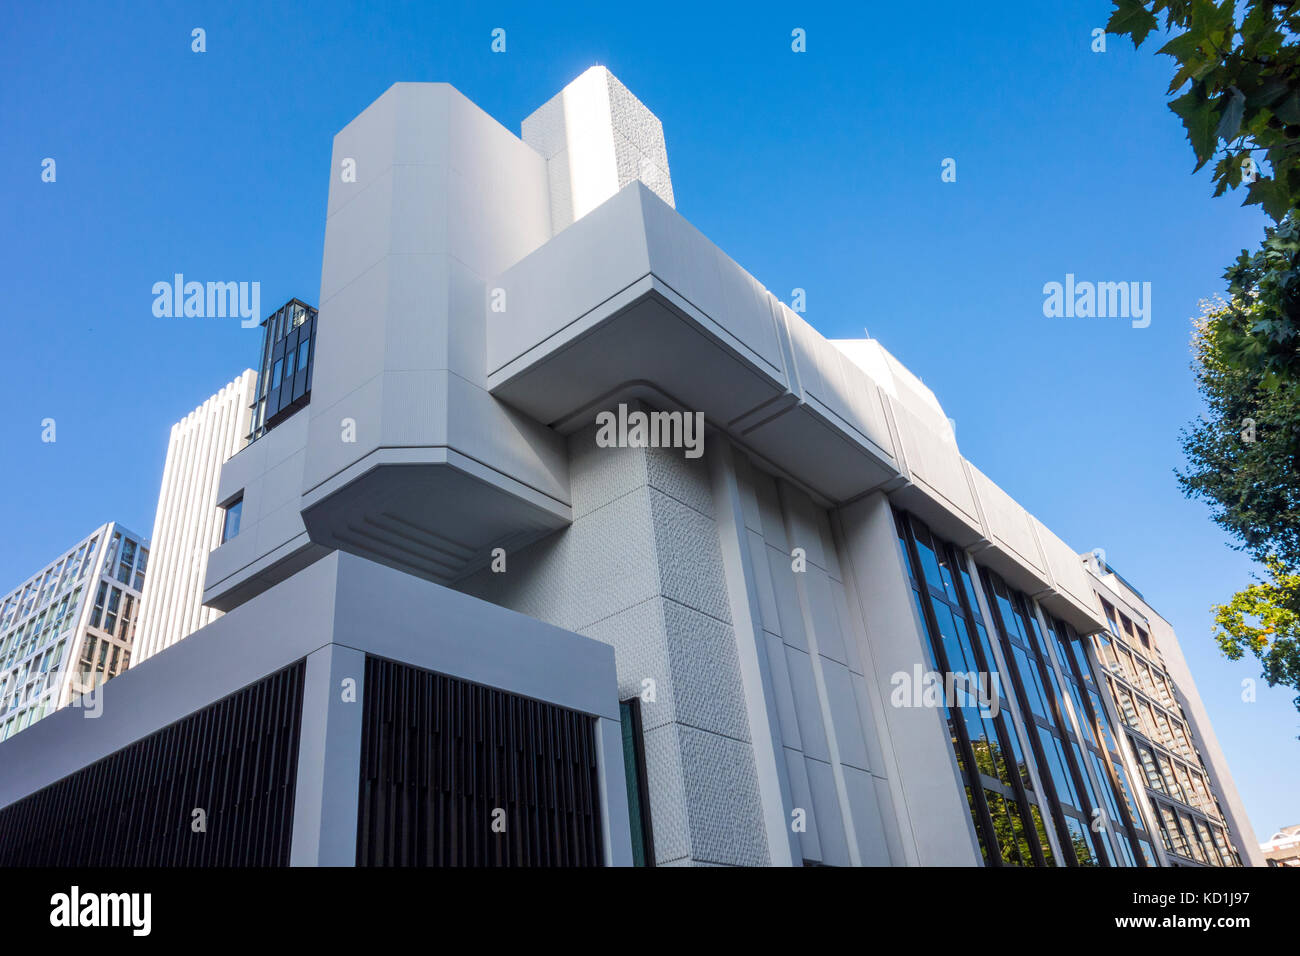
1132 17
1288 111
1200 120
1270 194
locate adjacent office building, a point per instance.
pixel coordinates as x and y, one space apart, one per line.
1172 751
1283 847
188 524
71 626
584 548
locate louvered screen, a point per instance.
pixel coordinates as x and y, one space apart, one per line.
440 755
236 759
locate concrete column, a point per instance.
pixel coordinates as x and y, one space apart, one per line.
751 648
329 759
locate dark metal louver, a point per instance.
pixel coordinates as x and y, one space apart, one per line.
236 760
440 755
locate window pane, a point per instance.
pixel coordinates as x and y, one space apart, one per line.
233 513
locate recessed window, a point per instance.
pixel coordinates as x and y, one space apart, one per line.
638 791
276 371
231 527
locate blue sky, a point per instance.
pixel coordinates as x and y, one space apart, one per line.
818 170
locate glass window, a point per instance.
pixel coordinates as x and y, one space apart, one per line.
1198 852
1009 831
110 617
1171 781
302 354
638 803
230 528
126 633
929 562
1059 770
995 797
276 370
97 612
127 560
1203 834
1149 767
141 566
1079 841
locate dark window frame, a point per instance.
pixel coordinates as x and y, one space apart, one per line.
642 824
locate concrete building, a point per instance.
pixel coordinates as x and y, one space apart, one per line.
71 626
188 525
588 549
1283 847
1172 752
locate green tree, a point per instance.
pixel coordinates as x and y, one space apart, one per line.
1237 80
1265 620
1243 455
1240 76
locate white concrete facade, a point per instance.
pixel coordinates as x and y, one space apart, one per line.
596 137
483 297
477 311
188 524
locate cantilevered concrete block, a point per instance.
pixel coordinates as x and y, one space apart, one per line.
409 461
596 138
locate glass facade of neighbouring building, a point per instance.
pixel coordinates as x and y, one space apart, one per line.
1044 780
70 627
1189 818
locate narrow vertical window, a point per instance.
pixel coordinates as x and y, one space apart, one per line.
638 793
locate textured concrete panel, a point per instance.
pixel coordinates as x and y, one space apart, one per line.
726 818
641 653
707 690
690 566
596 138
